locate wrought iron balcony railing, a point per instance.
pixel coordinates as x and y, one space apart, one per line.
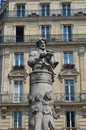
41 13
50 38
14 98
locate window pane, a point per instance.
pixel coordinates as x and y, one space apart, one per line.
65 58
45 32
45 10
70 119
16 59
21 59
69 90
17 119
67 30
66 10
68 58
21 10
71 58
18 90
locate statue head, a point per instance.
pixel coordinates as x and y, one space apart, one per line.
41 43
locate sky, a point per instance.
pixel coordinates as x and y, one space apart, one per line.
0 1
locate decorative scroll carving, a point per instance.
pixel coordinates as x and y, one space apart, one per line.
17 74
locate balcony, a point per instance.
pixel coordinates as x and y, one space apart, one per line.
38 13
75 38
77 98
13 98
68 66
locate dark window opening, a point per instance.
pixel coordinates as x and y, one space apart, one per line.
19 34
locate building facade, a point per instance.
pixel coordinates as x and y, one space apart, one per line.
63 24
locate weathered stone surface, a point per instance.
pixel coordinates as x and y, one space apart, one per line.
41 111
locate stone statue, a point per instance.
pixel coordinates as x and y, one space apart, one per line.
42 58
41 109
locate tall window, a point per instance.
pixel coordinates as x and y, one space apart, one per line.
20 34
66 9
19 59
45 32
68 58
69 90
18 91
20 10
67 33
45 8
70 119
17 116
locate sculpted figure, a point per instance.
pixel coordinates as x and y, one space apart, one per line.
37 115
48 121
42 58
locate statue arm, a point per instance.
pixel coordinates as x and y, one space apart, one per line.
33 57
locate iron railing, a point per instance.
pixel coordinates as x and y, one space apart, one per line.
39 13
24 98
12 39
14 98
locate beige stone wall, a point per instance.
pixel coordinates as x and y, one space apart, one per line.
34 28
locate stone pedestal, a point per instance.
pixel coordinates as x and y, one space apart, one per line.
40 82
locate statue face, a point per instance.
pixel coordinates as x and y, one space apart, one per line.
42 45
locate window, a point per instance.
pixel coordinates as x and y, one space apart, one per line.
70 119
18 91
17 116
66 9
69 90
45 32
45 8
19 59
20 10
20 34
68 58
67 33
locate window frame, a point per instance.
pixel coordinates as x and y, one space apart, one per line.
18 60
18 91
71 121
66 9
69 90
17 124
69 56
20 10
46 10
67 33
